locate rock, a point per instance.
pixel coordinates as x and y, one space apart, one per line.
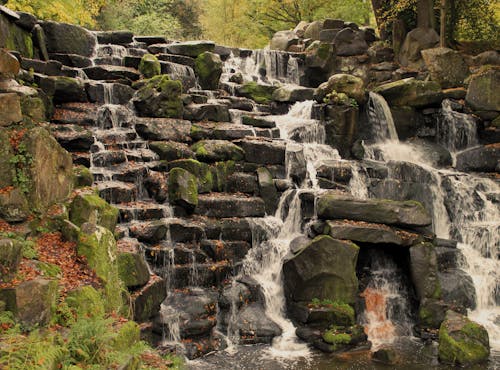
171 150
411 92
72 137
417 40
325 269
380 53
207 112
350 42
183 189
387 356
480 159
370 233
147 300
149 232
482 93
9 65
33 302
462 342
14 206
149 66
320 55
10 258
343 83
115 37
300 29
10 109
267 190
221 206
26 21
341 127
217 150
313 30
292 93
406 213
90 208
111 72
423 267
98 245
254 326
263 152
282 40
447 66
261 94
159 97
323 314
83 177
68 39
201 172
328 35
133 269
208 68
256 121
191 48
14 37
163 129
51 171
63 89
458 290
433 152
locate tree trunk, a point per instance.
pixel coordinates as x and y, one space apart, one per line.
425 13
378 9
442 33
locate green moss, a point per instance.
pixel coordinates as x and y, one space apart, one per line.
149 66
82 176
261 94
341 313
92 208
323 51
49 270
128 335
200 170
221 172
183 188
86 301
19 40
337 340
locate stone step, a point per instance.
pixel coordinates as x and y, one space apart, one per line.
110 73
222 205
167 229
179 59
199 275
115 192
142 211
207 112
115 135
115 37
165 253
150 40
125 172
111 93
71 60
73 138
220 250
109 61
107 158
81 114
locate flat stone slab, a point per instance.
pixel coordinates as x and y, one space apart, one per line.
226 205
407 213
105 72
365 232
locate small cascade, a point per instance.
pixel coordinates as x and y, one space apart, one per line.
386 316
110 54
456 131
381 119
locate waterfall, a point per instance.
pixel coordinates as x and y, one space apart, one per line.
381 119
456 131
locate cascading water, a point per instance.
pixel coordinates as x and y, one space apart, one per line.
463 205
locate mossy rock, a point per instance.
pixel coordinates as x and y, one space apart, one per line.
6 165
98 245
149 66
221 172
92 208
183 189
171 150
217 151
262 94
10 258
411 92
159 97
133 269
13 37
208 67
14 206
336 313
82 176
200 170
337 341
34 108
462 341
86 302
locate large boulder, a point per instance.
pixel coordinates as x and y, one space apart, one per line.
163 129
480 159
447 66
91 208
68 39
417 40
406 213
149 66
325 269
191 48
259 93
462 342
350 85
313 30
217 151
208 67
457 289
160 97
51 170
200 170
133 269
13 37
349 42
411 92
282 40
320 56
254 326
6 152
483 90
292 93
147 300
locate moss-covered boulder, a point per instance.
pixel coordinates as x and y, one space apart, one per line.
147 300
350 85
33 302
217 151
208 68
411 92
183 189
324 269
13 37
98 245
447 66
201 172
149 66
82 177
91 208
64 89
320 56
221 171
133 269
159 97
171 150
10 258
86 301
482 93
65 38
261 94
462 341
341 338
191 48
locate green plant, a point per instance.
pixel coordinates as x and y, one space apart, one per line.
22 162
353 102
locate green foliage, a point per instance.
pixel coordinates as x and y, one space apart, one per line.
22 162
29 250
